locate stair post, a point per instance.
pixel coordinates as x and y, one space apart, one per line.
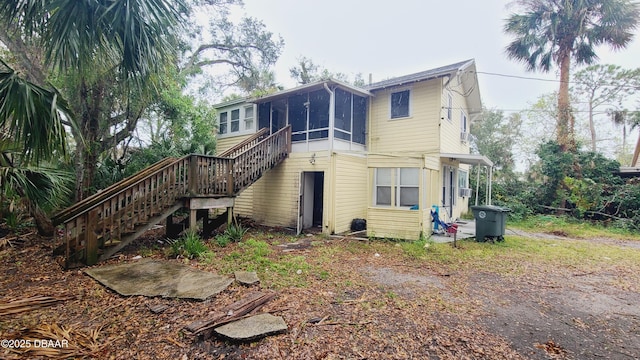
91 239
193 174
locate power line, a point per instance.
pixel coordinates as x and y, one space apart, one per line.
636 87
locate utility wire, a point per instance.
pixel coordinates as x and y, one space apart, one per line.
548 80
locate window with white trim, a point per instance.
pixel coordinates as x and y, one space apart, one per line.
463 122
400 105
223 123
449 107
408 186
235 120
463 179
383 187
397 187
248 117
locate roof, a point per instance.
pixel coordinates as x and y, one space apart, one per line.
442 71
462 78
471 159
316 85
230 103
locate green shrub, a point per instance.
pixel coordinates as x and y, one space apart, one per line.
235 232
223 240
190 246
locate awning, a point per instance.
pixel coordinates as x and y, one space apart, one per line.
471 159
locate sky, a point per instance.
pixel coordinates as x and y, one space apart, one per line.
399 37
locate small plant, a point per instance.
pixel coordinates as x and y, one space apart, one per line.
189 246
235 232
223 240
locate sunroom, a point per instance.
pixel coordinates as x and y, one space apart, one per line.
324 115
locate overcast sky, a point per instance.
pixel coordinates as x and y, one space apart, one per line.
399 37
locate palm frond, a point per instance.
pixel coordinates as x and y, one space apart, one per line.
32 116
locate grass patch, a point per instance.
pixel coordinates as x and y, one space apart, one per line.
275 270
570 227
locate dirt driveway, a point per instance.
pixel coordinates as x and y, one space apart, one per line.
540 297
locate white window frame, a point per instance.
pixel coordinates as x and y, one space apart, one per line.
223 130
249 121
396 185
409 107
376 185
464 126
400 186
449 107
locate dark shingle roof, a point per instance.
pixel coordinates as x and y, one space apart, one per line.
420 76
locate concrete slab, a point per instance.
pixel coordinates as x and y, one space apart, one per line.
253 327
246 277
150 277
466 230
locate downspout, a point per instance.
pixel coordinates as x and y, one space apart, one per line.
478 182
489 184
332 116
329 177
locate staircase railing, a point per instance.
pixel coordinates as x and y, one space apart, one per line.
120 213
245 144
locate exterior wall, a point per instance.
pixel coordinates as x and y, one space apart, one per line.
223 144
351 190
417 133
396 222
275 195
450 128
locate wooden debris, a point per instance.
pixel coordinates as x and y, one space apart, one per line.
28 304
251 302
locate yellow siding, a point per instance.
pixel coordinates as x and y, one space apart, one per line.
394 223
417 133
275 197
450 129
227 142
244 203
351 189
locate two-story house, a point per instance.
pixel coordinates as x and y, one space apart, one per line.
386 153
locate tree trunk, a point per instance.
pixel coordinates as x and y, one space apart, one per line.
565 122
43 223
592 126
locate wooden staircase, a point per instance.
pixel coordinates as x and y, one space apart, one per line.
97 227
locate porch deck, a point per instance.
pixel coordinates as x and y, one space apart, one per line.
466 229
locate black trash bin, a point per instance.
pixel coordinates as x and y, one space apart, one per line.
490 222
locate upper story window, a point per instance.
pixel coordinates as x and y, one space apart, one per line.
463 122
224 122
400 104
449 107
236 121
248 117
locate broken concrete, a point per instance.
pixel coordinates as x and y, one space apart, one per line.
246 277
253 327
160 278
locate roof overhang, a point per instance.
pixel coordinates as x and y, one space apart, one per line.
470 159
317 85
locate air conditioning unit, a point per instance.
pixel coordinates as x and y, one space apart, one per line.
465 192
464 137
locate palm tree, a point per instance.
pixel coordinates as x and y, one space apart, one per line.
557 32
85 41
